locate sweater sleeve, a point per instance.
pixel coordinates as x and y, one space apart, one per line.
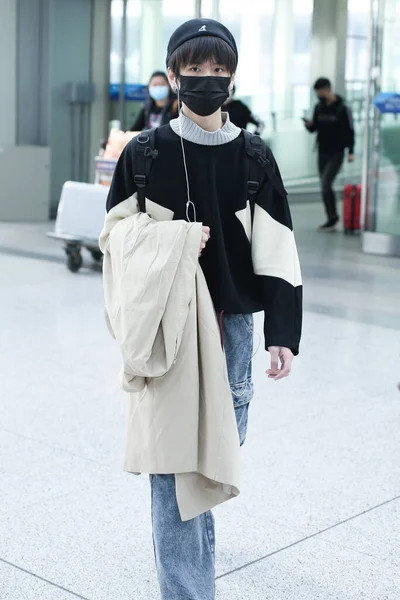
276 263
260 125
348 125
122 185
314 123
139 124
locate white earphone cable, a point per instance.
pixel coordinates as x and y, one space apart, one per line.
189 202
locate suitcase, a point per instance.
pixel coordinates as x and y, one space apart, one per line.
352 208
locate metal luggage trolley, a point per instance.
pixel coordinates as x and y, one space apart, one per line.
80 214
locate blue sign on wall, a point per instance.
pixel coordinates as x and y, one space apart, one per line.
388 102
133 91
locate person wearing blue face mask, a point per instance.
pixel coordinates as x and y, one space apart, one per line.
160 108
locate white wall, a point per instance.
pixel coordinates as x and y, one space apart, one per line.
8 35
34 110
24 192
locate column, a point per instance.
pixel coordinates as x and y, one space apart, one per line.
33 100
71 20
8 62
328 44
100 76
282 57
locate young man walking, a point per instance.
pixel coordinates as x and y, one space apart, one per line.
333 122
204 171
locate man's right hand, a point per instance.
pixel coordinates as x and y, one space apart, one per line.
204 238
308 123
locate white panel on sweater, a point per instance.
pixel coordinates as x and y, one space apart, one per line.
274 249
244 217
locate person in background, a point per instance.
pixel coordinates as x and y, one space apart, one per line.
160 108
333 122
240 114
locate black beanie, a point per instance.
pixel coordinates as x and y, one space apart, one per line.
197 28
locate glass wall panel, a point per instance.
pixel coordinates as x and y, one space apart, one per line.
382 160
133 41
358 18
357 57
116 40
207 9
273 78
174 13
388 187
252 25
274 39
149 24
301 62
130 54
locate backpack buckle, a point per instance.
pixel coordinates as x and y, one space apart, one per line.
140 180
253 187
262 160
149 152
143 138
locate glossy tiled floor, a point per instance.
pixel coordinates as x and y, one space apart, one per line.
320 505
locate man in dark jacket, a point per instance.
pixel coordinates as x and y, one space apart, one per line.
333 121
240 114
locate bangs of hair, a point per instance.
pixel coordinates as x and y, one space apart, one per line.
322 84
201 49
159 74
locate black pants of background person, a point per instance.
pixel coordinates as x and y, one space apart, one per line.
329 165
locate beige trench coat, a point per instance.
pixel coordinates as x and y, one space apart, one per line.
180 418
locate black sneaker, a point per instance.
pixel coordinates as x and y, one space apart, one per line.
330 225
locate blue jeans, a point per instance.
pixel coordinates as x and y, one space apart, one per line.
185 551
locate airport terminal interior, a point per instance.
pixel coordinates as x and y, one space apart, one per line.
318 513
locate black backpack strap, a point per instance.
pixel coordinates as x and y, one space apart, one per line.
256 151
143 157
259 166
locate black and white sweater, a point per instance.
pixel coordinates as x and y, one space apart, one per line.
250 263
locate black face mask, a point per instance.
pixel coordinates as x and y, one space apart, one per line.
323 101
204 95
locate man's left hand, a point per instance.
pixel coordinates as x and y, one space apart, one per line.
351 158
281 362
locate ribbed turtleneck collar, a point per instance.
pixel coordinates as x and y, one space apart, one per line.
193 133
